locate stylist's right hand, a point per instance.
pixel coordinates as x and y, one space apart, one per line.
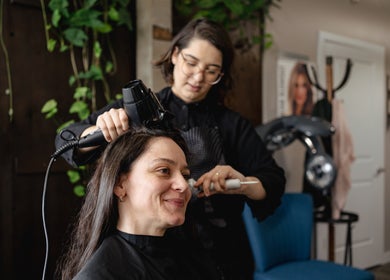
113 123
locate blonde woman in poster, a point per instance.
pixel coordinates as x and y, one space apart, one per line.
300 92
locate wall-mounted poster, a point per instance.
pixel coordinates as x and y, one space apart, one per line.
296 96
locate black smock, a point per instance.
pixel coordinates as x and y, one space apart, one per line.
214 223
123 256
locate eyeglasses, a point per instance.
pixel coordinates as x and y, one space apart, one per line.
190 67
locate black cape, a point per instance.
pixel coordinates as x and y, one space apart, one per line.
133 257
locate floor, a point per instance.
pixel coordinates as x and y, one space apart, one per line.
382 272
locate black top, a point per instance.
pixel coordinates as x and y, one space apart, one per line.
235 142
135 257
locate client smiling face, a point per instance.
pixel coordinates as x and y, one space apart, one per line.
154 193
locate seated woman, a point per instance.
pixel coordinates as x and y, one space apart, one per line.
138 191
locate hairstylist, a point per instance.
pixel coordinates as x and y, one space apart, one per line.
222 145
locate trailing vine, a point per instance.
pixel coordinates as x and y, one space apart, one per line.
82 28
8 91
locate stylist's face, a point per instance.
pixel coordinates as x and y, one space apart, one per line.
203 57
157 192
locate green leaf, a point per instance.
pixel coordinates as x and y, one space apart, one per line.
89 4
113 14
125 19
236 7
268 41
109 67
86 18
97 72
97 49
103 28
63 47
62 126
76 36
208 4
72 80
60 5
84 114
77 107
80 108
81 93
94 73
51 113
260 4
51 44
79 190
256 39
49 106
55 18
73 175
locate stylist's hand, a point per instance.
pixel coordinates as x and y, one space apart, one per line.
218 176
112 123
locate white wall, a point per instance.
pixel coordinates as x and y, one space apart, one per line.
151 13
295 28
296 24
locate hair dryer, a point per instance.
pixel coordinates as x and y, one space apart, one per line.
141 106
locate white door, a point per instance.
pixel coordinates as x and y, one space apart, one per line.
365 107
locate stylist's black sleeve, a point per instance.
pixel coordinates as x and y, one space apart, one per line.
246 152
72 156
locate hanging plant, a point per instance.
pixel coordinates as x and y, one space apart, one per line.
83 28
234 15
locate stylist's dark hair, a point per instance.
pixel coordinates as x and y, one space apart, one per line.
98 216
210 31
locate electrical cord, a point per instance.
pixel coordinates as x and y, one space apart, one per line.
72 142
43 216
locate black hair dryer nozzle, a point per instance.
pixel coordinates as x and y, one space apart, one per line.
142 106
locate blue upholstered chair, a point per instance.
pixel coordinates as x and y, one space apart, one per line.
281 245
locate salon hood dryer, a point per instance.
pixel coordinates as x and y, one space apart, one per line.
320 170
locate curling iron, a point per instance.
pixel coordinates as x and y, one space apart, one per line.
230 184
